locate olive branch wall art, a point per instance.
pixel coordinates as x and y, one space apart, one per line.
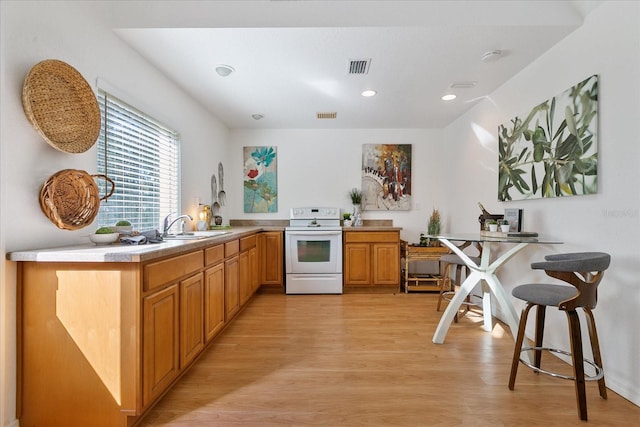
553 152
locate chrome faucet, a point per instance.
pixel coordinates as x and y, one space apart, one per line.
167 225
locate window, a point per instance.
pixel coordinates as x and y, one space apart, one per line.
141 156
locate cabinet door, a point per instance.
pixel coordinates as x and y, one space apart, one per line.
245 277
160 364
255 270
357 264
231 287
191 318
271 258
213 301
386 264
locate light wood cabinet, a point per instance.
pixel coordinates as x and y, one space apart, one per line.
160 342
214 301
231 287
112 337
191 318
248 268
371 258
271 254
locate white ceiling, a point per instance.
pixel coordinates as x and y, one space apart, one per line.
291 57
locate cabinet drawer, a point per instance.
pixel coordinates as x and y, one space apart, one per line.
214 255
247 243
371 236
231 248
162 272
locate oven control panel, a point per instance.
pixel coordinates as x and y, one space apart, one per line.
315 213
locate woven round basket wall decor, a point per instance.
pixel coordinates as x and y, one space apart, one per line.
61 105
70 198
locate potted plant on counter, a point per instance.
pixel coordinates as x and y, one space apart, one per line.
433 227
356 199
504 225
346 219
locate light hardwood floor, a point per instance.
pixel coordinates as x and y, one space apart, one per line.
367 360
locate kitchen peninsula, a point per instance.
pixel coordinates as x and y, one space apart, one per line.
105 331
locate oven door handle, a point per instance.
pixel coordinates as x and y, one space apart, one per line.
314 233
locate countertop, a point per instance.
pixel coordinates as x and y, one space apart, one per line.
130 253
141 253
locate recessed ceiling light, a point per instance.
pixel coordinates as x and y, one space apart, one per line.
369 93
449 97
224 70
257 116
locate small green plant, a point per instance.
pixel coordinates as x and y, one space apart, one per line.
503 222
104 230
123 223
346 216
356 196
492 221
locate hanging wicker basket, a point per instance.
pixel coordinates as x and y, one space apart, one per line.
70 198
61 105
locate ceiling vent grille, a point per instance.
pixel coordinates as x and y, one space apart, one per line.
359 66
462 85
327 115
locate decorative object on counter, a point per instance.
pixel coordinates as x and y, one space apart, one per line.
104 236
485 217
424 240
504 225
215 205
260 179
217 219
356 199
386 177
222 196
514 216
346 219
70 198
433 228
492 225
123 227
553 152
61 106
205 217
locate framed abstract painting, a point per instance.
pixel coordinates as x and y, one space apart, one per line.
386 177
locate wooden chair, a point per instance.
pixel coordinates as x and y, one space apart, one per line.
584 271
452 276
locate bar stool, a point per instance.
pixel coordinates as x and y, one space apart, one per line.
584 271
451 264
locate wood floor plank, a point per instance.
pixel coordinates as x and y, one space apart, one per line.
363 359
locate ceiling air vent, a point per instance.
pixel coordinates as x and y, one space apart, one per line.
462 85
358 66
326 115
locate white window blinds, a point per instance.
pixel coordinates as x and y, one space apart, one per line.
141 156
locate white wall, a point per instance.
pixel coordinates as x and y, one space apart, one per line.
319 167
74 33
608 45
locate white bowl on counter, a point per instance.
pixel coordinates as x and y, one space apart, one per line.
104 239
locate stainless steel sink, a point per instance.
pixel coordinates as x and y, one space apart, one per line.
186 236
196 235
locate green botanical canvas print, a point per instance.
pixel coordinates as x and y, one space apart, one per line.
553 152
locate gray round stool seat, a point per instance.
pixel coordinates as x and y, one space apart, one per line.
544 294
